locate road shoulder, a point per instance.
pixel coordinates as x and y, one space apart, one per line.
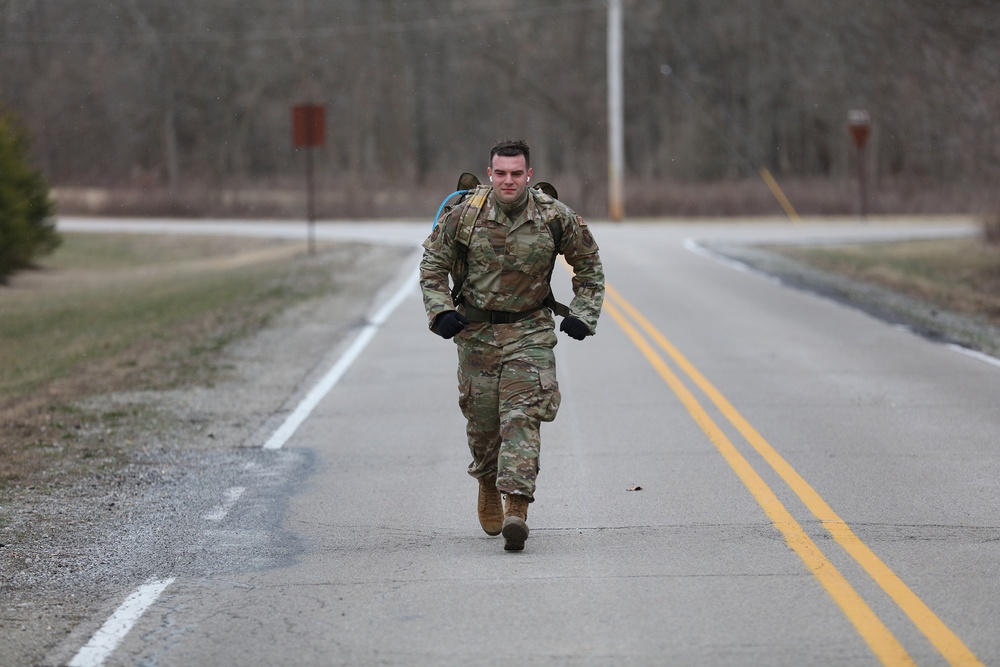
918 316
69 556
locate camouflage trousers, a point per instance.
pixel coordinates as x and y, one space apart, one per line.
505 392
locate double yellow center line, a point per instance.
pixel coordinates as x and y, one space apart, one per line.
883 643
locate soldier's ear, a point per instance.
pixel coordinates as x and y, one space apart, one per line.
467 181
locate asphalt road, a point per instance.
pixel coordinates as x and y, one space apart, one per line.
740 474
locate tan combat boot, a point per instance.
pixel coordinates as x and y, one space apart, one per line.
515 523
490 507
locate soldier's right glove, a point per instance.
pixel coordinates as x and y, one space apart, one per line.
574 328
449 323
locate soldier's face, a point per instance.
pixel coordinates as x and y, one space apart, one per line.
509 176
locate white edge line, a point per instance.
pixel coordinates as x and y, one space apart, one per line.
328 381
693 246
107 638
698 249
219 512
975 354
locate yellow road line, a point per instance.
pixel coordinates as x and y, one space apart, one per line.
940 635
882 642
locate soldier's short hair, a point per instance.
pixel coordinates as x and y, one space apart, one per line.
512 148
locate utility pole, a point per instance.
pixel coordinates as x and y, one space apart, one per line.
616 140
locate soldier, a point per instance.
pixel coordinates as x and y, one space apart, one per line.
501 319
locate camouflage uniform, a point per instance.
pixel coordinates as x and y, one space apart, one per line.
506 372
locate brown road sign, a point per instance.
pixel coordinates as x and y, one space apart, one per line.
860 124
308 125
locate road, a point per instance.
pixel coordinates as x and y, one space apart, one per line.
740 474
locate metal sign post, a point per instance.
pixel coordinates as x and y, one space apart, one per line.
308 131
860 123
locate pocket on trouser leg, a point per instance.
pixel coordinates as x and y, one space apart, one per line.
549 394
478 401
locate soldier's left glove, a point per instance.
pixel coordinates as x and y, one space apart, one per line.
574 328
449 323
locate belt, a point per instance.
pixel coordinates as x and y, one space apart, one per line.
498 316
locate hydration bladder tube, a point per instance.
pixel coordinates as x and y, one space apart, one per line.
441 207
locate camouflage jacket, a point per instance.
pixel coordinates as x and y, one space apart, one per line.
510 263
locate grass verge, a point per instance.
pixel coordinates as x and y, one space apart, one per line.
957 275
123 312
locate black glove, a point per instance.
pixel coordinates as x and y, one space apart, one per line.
574 328
449 323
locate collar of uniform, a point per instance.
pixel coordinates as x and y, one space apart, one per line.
529 213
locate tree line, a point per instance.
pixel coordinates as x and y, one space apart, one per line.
171 94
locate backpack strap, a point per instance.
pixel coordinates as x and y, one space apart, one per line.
472 205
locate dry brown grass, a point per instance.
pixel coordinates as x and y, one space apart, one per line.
959 275
280 199
285 198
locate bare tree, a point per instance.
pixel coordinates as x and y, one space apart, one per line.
187 92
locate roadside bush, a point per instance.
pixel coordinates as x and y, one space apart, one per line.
27 229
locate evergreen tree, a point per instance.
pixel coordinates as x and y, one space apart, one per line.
27 229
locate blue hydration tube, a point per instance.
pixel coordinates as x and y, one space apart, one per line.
441 207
